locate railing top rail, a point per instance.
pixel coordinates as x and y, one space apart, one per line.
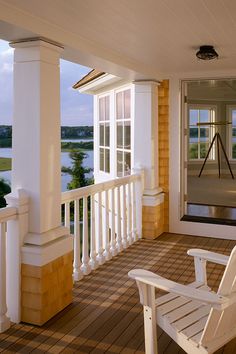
7 213
96 188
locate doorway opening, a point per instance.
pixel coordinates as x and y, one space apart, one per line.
209 151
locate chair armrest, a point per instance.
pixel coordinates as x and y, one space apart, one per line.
209 256
152 279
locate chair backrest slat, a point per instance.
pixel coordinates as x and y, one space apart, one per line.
227 284
221 322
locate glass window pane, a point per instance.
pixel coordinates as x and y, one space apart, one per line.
101 132
127 104
101 155
193 116
119 104
234 132
101 103
119 135
107 108
119 163
193 134
204 133
203 150
193 151
107 135
204 115
127 137
233 117
234 151
107 160
127 163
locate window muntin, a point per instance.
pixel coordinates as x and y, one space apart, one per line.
200 135
123 132
104 133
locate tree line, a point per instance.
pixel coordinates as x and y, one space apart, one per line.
66 132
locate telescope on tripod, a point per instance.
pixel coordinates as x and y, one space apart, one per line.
219 144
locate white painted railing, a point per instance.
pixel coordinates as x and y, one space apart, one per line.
107 219
6 214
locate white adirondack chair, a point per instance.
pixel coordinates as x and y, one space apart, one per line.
197 319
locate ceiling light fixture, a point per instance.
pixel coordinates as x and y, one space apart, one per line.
207 52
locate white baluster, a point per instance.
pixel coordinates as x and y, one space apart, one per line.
118 221
113 235
67 215
4 320
107 253
124 218
129 215
77 273
86 269
100 257
134 227
138 203
93 261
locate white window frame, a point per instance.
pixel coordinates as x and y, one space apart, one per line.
229 109
123 120
212 108
107 94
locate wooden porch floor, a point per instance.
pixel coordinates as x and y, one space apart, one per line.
106 316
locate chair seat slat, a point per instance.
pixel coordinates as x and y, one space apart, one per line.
165 298
172 305
196 339
169 297
192 317
195 328
183 311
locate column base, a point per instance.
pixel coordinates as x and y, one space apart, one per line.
46 290
153 215
46 279
4 323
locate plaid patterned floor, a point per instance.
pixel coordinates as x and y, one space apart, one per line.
106 316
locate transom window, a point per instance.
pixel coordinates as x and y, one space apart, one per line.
104 133
123 131
201 132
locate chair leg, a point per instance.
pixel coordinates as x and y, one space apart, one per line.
150 330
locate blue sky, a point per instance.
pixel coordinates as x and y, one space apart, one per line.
76 108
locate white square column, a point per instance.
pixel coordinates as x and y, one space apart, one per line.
36 146
45 247
146 156
145 137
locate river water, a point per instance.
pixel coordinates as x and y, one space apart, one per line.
65 161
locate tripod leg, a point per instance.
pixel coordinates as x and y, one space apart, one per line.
208 152
218 152
226 158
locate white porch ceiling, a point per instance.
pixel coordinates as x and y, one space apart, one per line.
136 38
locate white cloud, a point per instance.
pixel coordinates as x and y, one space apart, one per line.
76 108
8 53
6 83
6 58
6 68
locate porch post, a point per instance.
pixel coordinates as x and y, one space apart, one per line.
146 155
46 254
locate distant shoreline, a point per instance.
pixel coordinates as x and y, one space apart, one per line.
5 162
67 133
